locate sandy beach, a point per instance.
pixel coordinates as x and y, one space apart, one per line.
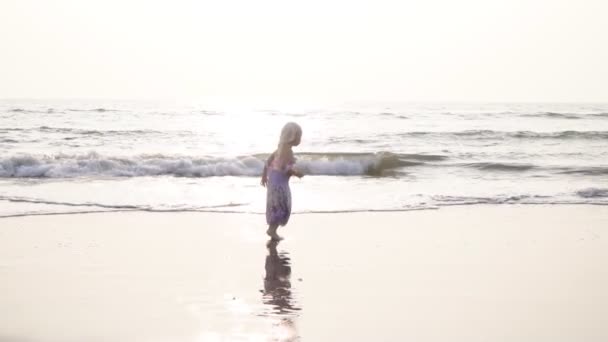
470 273
443 167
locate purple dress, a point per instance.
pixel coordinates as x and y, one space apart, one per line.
278 194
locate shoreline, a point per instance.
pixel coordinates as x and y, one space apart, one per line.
316 212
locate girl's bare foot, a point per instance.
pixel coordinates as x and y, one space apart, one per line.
272 232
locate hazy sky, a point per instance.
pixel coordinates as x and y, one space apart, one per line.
431 50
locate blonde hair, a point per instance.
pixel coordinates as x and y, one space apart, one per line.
289 134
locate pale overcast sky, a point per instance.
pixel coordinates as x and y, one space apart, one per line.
431 50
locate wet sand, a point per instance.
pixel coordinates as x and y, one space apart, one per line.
476 273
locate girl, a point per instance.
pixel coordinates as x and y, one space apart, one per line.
277 170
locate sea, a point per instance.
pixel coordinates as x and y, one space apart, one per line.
82 156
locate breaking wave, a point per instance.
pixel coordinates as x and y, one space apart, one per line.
323 164
94 164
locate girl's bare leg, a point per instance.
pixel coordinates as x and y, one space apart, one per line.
272 232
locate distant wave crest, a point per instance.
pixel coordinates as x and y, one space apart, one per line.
87 132
98 110
586 171
501 135
569 116
593 192
501 166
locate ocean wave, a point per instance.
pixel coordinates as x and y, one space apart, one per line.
586 171
53 110
593 192
529 199
555 115
452 135
30 111
8 141
382 164
355 155
209 112
394 115
423 157
521 167
94 164
446 200
50 110
562 135
342 140
371 164
93 132
501 135
495 166
97 110
90 132
563 115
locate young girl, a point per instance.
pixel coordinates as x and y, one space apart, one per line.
278 169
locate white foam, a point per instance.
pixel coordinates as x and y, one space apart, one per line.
335 167
93 164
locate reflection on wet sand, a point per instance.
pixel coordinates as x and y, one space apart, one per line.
278 294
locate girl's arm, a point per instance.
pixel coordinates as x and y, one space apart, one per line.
264 180
264 176
295 172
